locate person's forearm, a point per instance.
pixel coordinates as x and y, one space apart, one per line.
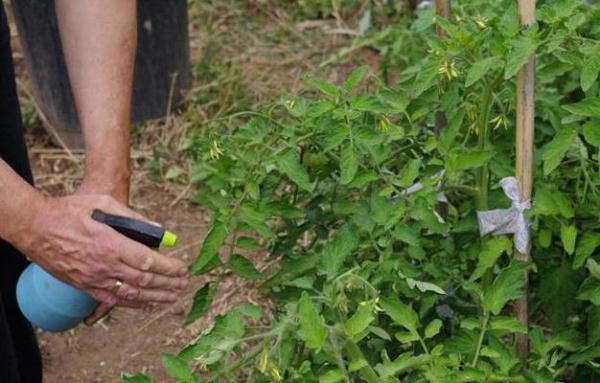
99 41
18 202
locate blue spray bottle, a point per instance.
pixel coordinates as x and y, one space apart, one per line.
53 305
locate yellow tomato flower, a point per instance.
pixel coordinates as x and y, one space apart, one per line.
481 21
384 125
500 121
215 151
275 374
448 68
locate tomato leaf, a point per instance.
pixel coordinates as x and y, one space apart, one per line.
201 303
209 252
312 326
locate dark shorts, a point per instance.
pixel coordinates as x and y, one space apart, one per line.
20 360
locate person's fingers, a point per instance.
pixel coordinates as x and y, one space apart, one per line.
150 280
103 296
111 206
125 291
101 311
151 295
142 258
107 301
132 304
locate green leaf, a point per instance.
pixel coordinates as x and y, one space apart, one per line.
465 160
406 336
555 150
401 314
550 201
585 247
426 78
593 325
357 364
506 287
409 173
450 132
433 328
585 355
312 326
590 70
558 292
492 250
177 368
404 362
361 319
521 49
593 267
355 77
591 133
407 234
336 251
590 291
256 220
508 325
243 267
480 69
568 236
348 164
201 303
588 107
424 286
290 166
247 243
139 378
332 376
326 88
209 252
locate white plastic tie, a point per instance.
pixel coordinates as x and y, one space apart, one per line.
508 221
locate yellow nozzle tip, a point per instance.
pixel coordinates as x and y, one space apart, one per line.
169 239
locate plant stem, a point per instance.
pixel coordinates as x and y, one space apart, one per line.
338 355
483 176
422 342
484 324
355 353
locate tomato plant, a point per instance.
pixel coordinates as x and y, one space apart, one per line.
341 186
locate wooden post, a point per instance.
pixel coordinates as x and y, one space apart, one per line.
524 152
442 9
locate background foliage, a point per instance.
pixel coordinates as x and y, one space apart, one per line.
372 280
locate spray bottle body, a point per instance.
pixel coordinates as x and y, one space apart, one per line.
55 306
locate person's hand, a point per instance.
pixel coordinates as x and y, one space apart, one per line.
61 237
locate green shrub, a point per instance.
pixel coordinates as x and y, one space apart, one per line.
373 281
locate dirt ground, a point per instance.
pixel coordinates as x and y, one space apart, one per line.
242 56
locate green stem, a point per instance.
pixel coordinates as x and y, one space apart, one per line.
355 353
483 176
422 342
484 325
338 355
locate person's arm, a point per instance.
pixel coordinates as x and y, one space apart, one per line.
60 235
99 41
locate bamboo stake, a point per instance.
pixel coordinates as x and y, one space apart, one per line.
442 9
524 152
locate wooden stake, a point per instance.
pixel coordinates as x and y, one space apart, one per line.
442 9
524 151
